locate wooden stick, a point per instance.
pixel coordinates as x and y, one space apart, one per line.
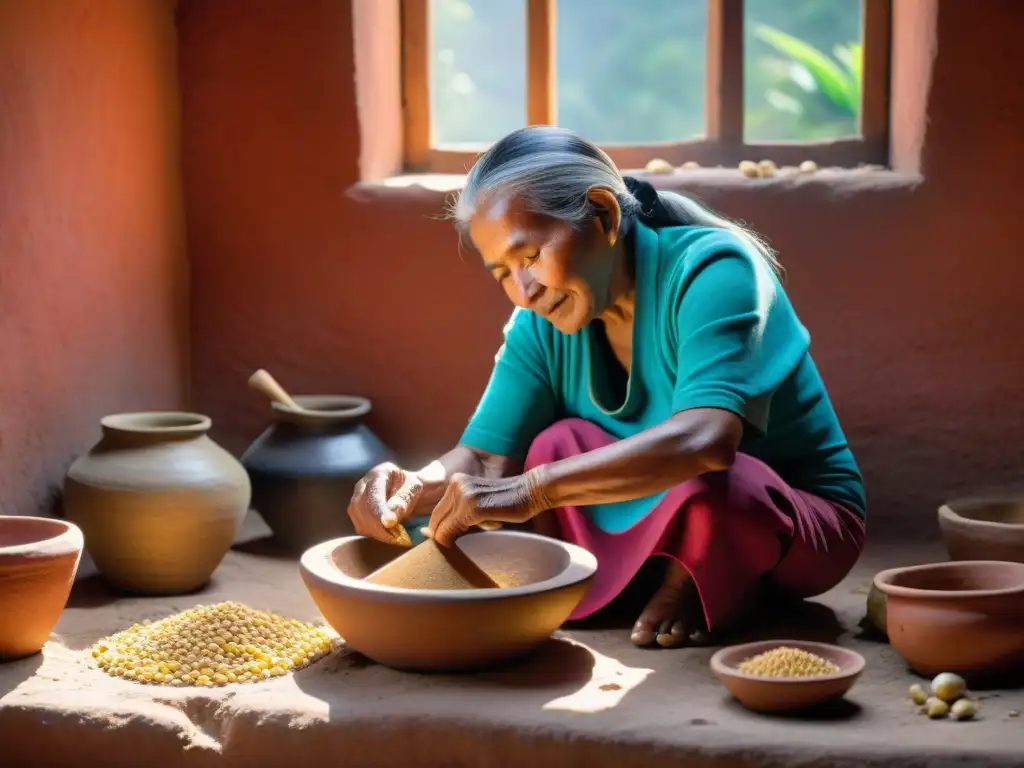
263 382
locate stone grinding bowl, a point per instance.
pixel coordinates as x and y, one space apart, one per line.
39 558
965 616
786 694
449 630
984 528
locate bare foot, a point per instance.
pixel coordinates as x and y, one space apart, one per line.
673 616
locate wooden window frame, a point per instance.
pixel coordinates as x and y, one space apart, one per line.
722 144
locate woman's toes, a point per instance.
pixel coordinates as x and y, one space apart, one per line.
657 618
700 637
672 634
643 635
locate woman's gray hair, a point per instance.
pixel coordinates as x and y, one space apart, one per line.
552 170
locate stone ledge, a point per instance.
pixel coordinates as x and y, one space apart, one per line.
435 189
588 698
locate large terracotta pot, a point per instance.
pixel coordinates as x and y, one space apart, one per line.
38 561
305 465
984 528
158 500
965 617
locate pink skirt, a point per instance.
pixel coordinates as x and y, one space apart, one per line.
728 529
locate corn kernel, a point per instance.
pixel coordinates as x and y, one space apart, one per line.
211 645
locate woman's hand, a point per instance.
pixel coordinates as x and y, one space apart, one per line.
382 501
482 501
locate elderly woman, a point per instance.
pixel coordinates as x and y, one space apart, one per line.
654 396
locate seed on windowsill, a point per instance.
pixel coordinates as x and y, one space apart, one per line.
750 169
689 165
658 165
808 166
767 168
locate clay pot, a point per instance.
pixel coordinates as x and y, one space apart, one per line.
38 561
876 609
449 629
159 502
305 465
965 617
984 529
767 694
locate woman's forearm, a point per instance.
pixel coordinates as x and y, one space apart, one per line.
679 449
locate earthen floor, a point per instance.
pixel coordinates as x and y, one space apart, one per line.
588 698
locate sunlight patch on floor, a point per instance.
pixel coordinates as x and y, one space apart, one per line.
609 683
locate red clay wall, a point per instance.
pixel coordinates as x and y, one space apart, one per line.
913 297
92 267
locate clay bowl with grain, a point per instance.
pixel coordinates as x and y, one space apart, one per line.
39 558
984 528
452 630
786 694
965 616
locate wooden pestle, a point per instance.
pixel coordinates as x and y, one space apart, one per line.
266 384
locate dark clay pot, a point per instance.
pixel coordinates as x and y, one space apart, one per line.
304 466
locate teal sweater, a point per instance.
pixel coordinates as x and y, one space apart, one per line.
713 328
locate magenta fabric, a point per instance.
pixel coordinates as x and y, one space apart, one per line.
734 527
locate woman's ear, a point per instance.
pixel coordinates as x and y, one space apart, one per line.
609 214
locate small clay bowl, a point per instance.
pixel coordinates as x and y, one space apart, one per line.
965 616
39 558
984 528
786 694
449 630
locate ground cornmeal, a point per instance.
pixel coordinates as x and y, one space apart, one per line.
787 662
212 645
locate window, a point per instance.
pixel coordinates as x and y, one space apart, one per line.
708 81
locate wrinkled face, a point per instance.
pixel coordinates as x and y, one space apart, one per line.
544 264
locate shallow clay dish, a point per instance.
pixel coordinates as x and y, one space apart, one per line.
965 616
984 529
449 629
38 561
786 694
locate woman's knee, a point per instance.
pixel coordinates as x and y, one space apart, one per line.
747 490
731 511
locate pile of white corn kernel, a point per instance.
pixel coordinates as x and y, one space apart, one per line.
212 645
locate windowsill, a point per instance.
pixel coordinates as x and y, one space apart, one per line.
435 188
